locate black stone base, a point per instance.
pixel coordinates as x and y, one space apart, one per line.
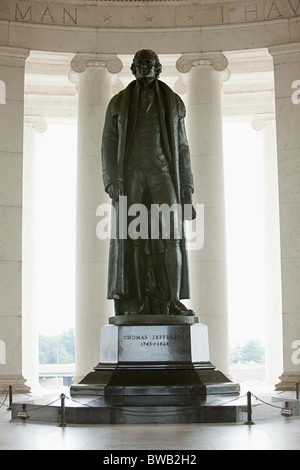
131 381
174 384
164 393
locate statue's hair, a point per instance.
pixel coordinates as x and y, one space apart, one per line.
153 55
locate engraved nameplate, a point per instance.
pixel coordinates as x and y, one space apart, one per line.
154 343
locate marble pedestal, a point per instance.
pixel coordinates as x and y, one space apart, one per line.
154 361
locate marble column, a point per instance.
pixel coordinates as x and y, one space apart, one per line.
265 123
30 343
286 60
12 63
208 267
92 307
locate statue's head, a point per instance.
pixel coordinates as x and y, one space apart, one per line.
146 66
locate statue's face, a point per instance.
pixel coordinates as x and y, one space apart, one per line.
145 68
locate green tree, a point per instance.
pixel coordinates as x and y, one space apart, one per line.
235 354
58 349
252 350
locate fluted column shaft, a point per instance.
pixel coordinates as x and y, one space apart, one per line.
265 124
92 307
286 60
30 344
12 63
208 268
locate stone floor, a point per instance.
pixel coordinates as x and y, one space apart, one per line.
278 433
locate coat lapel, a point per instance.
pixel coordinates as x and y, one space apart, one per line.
163 122
130 108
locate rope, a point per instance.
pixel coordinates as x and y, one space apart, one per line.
3 403
274 406
38 407
234 399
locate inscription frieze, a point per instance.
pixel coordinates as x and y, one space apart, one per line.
146 13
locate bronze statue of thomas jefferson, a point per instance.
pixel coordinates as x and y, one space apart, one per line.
145 157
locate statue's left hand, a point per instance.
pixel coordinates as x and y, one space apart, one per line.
115 190
186 199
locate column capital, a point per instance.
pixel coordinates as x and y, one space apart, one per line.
261 120
13 55
39 124
180 86
216 60
82 61
282 52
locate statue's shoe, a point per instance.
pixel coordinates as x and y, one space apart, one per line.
178 308
138 309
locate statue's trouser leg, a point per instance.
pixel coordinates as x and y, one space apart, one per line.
134 189
139 270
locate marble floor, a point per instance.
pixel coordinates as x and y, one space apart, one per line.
281 433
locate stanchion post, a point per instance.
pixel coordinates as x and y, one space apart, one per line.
62 411
297 391
249 409
10 397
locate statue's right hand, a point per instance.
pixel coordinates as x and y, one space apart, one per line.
115 190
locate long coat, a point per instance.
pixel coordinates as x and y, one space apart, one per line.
116 135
